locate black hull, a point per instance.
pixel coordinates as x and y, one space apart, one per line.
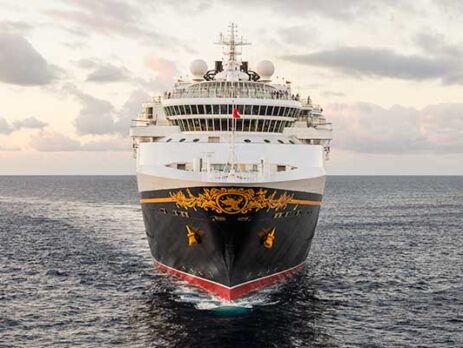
229 236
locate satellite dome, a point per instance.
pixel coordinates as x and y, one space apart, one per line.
265 69
198 68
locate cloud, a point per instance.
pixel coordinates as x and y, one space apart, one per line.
99 117
5 127
104 72
335 9
383 62
5 149
104 16
298 35
49 141
15 27
130 110
21 64
370 128
30 122
95 116
164 67
109 73
114 18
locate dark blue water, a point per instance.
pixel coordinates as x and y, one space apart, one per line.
385 270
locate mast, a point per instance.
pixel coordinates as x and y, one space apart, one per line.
231 43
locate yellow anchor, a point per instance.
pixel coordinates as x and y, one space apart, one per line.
268 243
192 240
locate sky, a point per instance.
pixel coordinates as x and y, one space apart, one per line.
388 73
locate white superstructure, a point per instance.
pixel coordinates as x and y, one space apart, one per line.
188 137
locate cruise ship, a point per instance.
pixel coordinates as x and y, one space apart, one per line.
231 172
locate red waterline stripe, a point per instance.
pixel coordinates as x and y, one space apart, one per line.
225 292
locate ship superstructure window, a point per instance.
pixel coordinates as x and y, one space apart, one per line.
227 109
227 124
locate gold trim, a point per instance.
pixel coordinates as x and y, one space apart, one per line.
157 200
304 202
231 200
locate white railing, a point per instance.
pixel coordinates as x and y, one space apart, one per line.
226 176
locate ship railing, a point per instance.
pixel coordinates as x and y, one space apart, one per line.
229 94
224 176
321 125
143 122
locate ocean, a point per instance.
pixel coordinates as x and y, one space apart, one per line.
385 270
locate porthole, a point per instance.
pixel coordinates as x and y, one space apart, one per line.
266 140
195 140
181 140
281 141
292 142
247 140
168 140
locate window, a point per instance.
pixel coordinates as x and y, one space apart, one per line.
181 166
247 140
291 142
223 109
195 140
271 128
216 109
223 124
169 140
213 139
208 109
181 140
188 109
255 110
276 109
262 110
194 109
269 110
246 125
267 141
201 109
281 168
281 141
282 111
247 109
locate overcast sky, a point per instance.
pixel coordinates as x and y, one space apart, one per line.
388 73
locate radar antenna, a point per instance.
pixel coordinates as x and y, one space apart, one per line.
231 42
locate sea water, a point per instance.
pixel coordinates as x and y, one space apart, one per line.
385 269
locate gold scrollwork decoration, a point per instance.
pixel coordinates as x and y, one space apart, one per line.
231 200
